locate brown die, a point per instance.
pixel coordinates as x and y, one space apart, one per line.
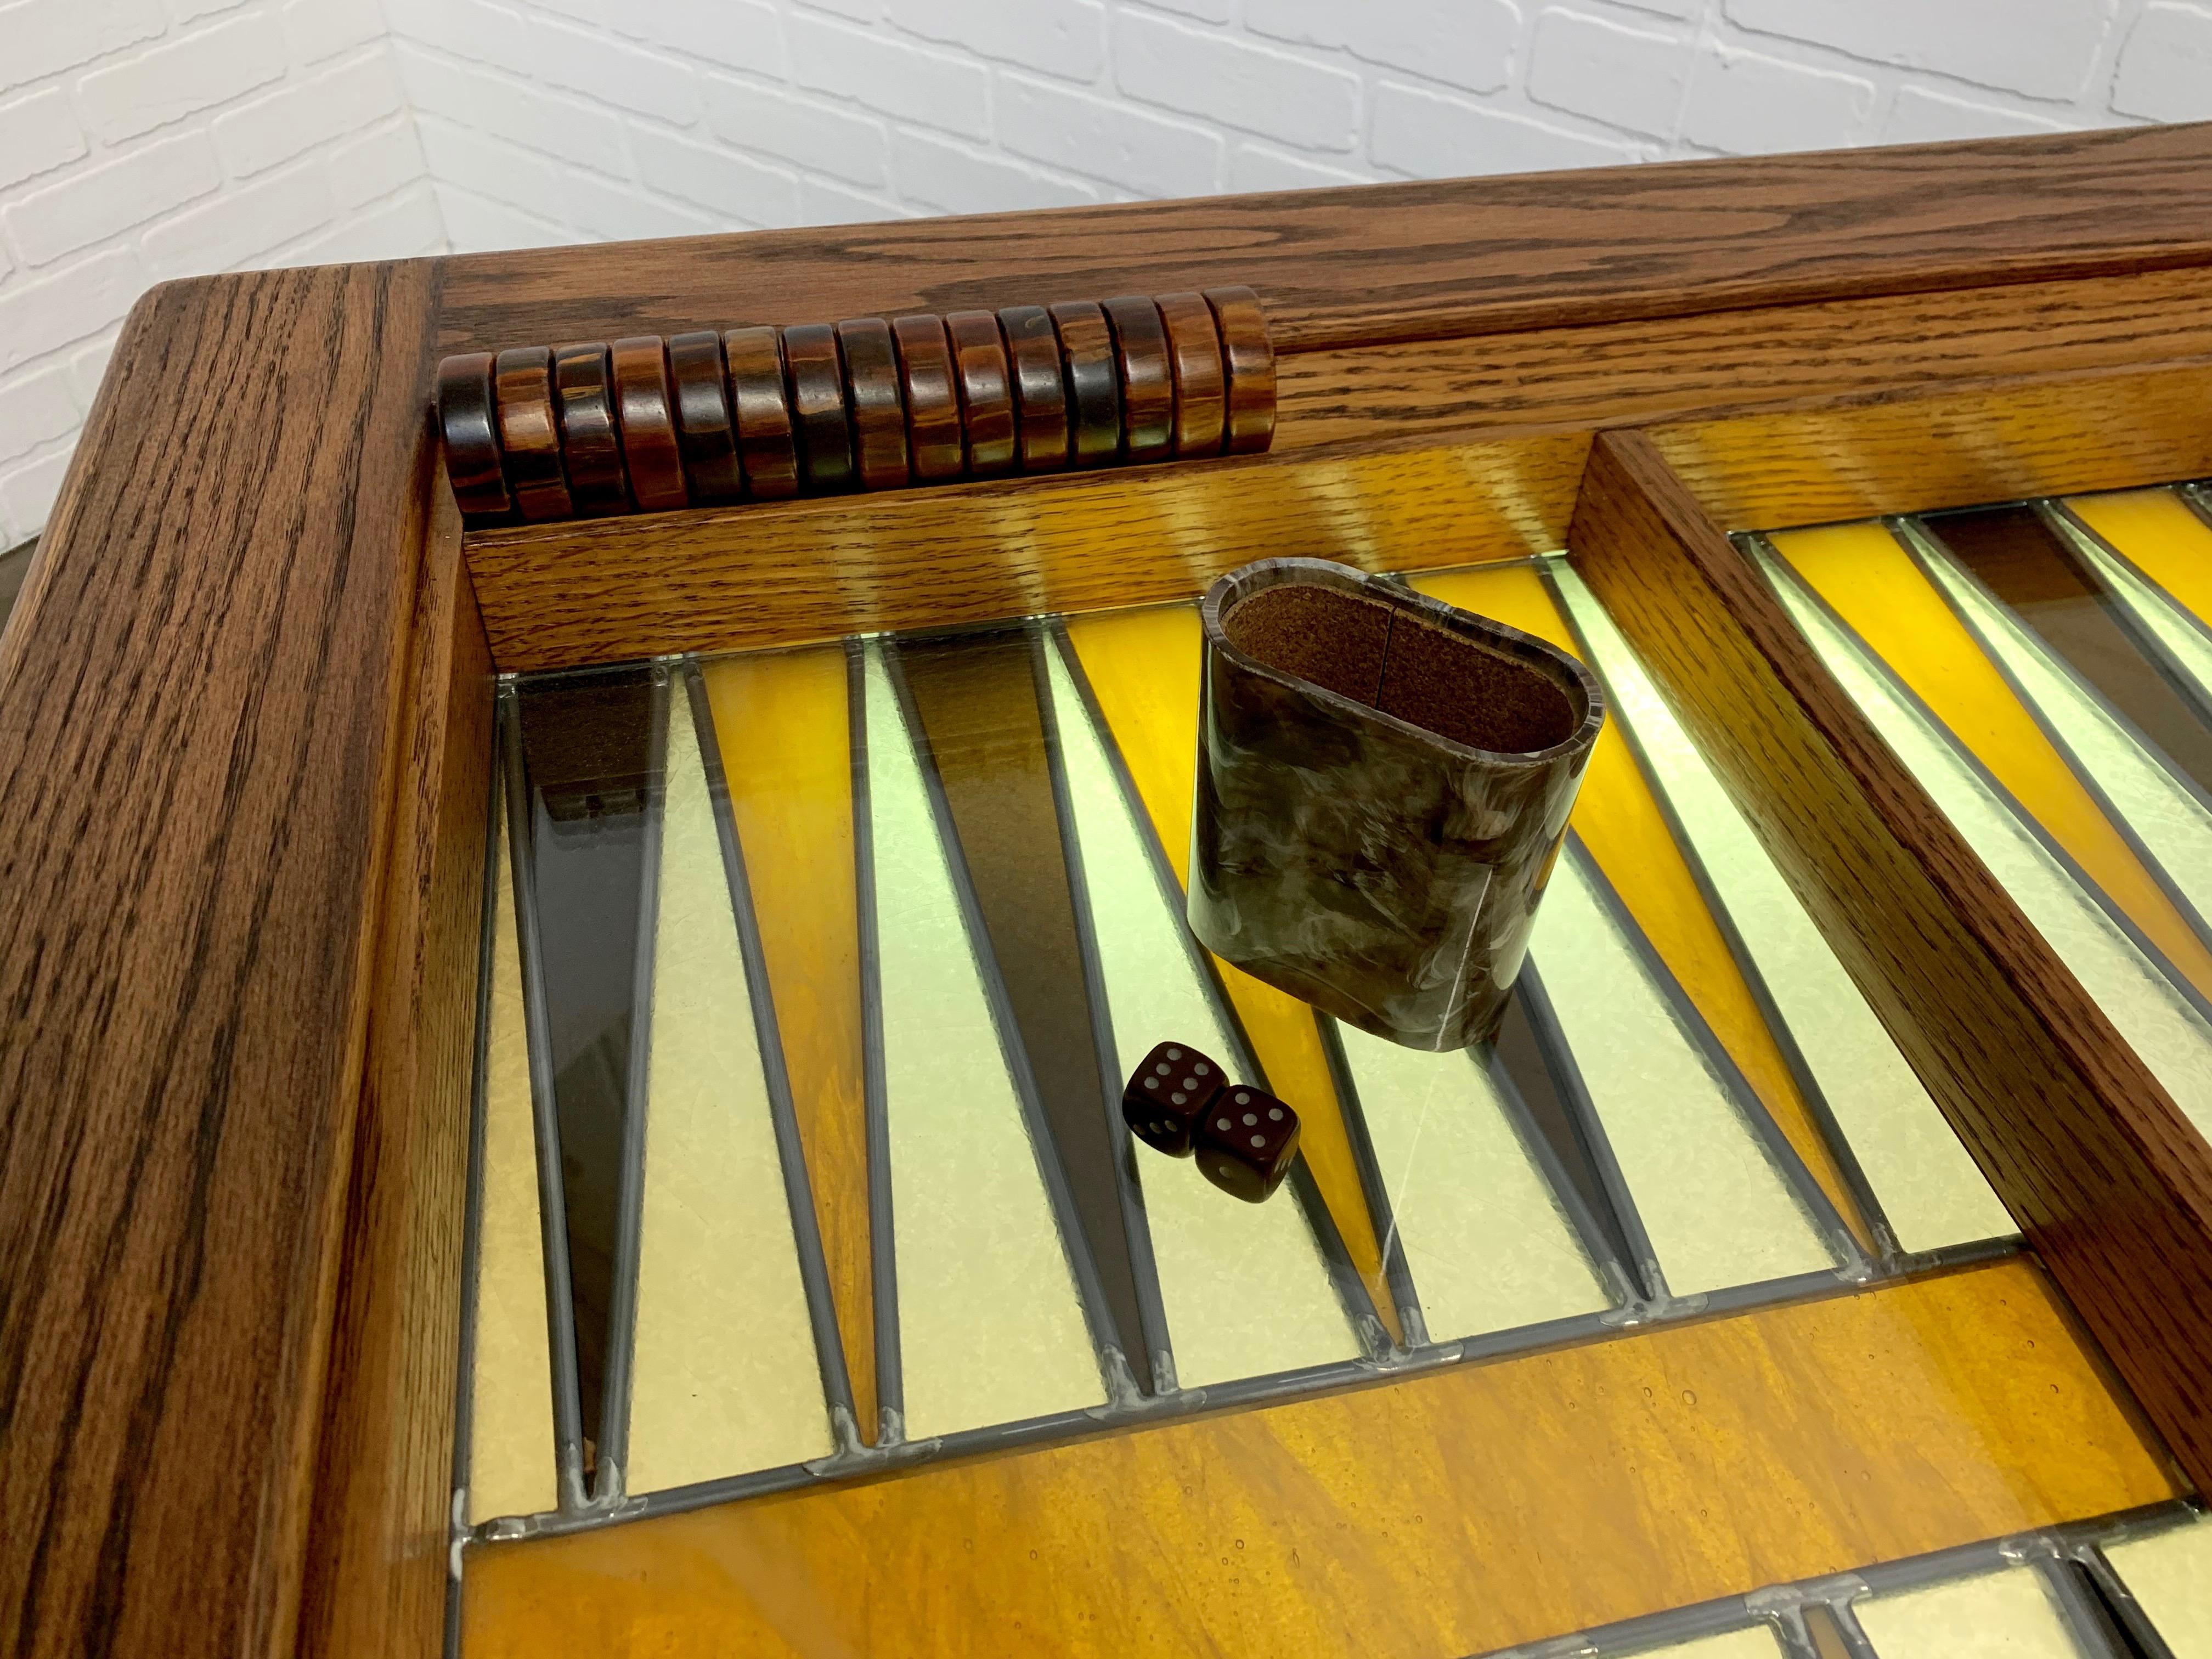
1246 1142
1171 1087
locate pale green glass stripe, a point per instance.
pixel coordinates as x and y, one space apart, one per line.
1927 1183
2154 1019
2187 646
724 1377
1753 1642
2173 824
1487 1245
1995 1615
2169 1574
990 1328
1246 1290
1717 1210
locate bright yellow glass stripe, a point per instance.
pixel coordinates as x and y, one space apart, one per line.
782 723
511 1372
2158 534
1143 667
1619 821
1870 582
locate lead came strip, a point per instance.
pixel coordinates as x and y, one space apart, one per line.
1246 1290
2165 536
725 1376
990 1328
2186 641
1927 1184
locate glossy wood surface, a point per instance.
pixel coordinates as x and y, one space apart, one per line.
933 404
876 405
530 431
1450 1513
2106 1177
700 380
760 406
591 440
987 396
1201 383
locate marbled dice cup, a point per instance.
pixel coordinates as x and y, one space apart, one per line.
1384 782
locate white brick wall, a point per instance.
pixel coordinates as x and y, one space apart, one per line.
141 139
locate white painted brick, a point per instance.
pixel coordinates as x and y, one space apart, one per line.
403 228
1426 134
1148 153
494 170
482 224
35 410
88 367
2166 68
740 33
467 28
1745 103
372 166
1066 38
803 131
593 12
44 37
623 213
861 11
186 11
909 84
292 120
1921 116
204 68
1206 11
228 231
1626 77
566 129
1246 85
955 179
1685 9
607 72
1253 167
316 30
92 204
820 202
733 186
2040 47
28 493
71 306
1467 43
37 134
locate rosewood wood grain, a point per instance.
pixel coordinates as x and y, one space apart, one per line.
1094 384
703 430
198 802
1041 407
1201 383
732 580
468 419
529 433
932 405
1431 260
817 377
1249 355
376 1573
878 408
645 413
2108 1180
1147 378
591 441
987 396
760 408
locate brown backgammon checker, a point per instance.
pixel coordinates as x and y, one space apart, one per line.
703 431
760 409
1094 384
1040 387
1201 383
1250 357
987 396
816 376
469 422
871 386
643 410
529 433
932 405
591 444
1140 355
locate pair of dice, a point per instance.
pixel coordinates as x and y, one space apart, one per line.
1179 1102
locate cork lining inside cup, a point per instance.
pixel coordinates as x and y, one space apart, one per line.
1389 660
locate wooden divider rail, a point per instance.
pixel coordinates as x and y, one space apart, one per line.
246 733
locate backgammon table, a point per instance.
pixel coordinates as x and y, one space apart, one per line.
568 951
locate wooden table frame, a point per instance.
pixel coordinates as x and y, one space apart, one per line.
245 719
